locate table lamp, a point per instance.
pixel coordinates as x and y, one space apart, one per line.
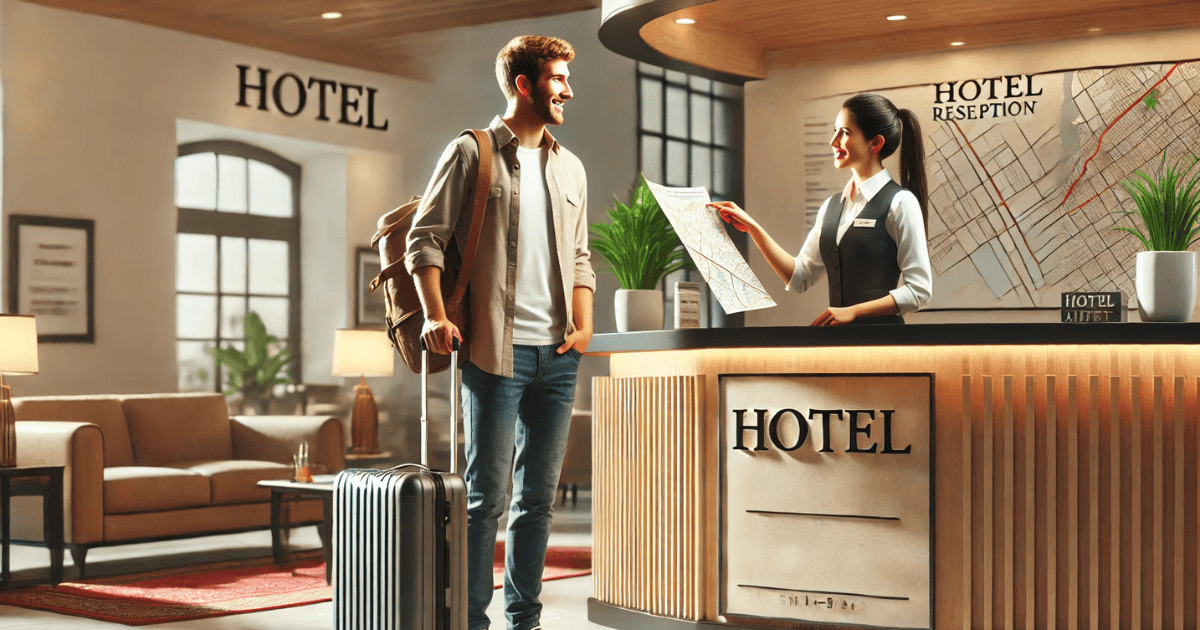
363 353
18 355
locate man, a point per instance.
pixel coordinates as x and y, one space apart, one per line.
530 298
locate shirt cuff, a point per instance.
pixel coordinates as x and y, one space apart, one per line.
906 301
425 257
586 279
799 281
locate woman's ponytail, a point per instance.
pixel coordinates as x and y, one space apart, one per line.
912 162
875 115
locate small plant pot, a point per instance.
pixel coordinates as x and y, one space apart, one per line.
638 309
1166 286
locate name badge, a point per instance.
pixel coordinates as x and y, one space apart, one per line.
867 223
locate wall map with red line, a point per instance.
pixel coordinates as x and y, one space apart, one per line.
1024 175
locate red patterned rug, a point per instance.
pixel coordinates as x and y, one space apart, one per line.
227 588
194 592
561 563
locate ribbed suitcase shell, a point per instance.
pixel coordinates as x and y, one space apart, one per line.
388 556
400 540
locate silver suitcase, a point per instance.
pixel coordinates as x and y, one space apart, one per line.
400 539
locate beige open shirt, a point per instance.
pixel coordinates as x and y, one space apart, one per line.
491 293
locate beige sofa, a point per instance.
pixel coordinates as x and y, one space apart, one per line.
150 467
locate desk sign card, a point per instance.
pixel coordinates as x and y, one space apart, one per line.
687 305
826 498
1089 307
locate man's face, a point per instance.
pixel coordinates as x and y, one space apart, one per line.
551 92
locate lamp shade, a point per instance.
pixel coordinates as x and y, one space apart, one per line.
362 352
18 344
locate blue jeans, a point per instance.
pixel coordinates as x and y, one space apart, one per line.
514 426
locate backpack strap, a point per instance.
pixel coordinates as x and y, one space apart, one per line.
483 181
483 187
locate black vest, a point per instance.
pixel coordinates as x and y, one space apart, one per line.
863 267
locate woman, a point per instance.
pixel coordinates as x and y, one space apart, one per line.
873 238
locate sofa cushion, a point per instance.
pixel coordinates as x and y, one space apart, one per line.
236 481
102 411
166 429
129 489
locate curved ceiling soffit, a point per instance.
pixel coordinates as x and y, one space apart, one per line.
627 24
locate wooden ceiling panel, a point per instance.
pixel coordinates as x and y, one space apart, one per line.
369 35
791 24
789 33
1002 33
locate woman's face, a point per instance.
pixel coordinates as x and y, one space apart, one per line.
850 148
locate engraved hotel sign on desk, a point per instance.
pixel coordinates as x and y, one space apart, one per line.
826 498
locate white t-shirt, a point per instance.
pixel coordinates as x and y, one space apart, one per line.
904 224
540 317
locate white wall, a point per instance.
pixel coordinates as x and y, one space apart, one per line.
777 107
91 110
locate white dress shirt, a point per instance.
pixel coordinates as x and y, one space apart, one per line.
904 225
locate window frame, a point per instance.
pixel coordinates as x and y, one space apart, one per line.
249 226
735 106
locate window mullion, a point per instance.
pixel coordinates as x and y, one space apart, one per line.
666 144
687 124
220 314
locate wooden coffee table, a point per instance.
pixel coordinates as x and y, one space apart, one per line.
320 487
43 481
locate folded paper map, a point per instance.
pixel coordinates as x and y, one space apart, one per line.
717 259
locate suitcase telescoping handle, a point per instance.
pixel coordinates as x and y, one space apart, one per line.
454 401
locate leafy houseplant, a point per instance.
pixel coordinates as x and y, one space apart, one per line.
640 247
254 370
638 242
1168 205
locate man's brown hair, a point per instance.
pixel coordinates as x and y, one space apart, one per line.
528 55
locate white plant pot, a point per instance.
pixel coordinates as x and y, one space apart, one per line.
1166 286
639 309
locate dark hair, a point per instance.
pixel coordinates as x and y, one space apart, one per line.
877 116
528 55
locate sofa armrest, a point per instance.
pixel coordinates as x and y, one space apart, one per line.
276 439
79 448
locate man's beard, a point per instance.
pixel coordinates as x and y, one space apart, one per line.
542 107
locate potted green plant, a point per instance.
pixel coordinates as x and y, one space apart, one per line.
640 247
254 370
1167 204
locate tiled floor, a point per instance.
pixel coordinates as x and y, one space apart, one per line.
564 601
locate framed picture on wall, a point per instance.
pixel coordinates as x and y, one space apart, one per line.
369 311
51 275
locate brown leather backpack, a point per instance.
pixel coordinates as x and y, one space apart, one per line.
405 317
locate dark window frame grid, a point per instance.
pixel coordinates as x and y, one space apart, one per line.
735 106
247 226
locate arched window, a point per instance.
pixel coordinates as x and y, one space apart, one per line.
237 250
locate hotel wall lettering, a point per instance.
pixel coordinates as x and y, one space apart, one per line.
292 94
1002 97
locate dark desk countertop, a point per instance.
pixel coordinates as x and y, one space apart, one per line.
906 335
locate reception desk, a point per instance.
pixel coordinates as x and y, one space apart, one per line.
1050 478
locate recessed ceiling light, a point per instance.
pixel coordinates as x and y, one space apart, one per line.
957 43
331 15
685 21
896 18
1095 29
